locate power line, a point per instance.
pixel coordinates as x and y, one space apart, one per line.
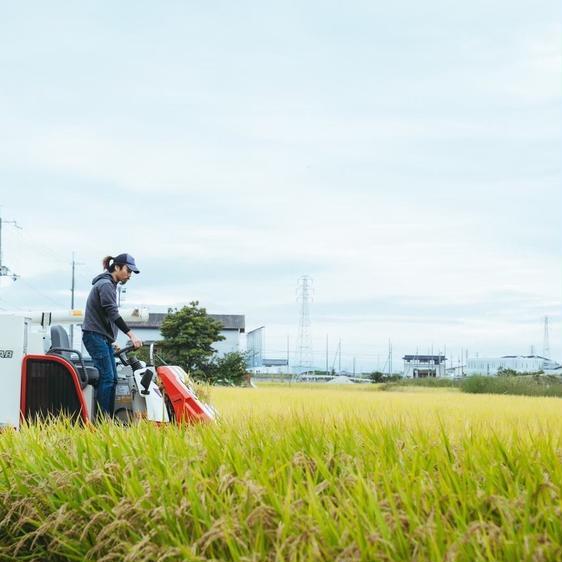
41 293
12 307
321 353
4 270
35 246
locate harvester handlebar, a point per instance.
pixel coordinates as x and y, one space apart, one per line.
122 353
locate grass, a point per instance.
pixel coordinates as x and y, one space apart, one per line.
428 382
524 385
530 385
294 474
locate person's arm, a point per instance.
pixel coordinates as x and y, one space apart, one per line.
122 325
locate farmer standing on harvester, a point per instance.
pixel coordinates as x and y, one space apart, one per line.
102 323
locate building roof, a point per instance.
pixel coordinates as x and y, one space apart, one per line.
522 357
424 358
228 321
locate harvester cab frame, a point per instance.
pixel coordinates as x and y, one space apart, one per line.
41 377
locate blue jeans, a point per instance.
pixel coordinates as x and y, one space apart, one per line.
101 352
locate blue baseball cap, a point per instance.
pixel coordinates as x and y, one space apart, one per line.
128 260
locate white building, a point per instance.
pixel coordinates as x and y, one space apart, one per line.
518 363
256 362
420 366
233 326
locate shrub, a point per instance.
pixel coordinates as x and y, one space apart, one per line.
526 385
228 370
426 381
378 377
513 373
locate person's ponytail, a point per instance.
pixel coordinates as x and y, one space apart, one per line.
108 263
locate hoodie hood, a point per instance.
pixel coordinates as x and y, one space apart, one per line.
104 275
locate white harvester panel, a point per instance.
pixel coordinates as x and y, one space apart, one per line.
13 346
155 406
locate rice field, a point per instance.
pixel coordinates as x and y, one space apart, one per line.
295 473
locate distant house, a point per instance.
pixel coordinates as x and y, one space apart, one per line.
420 366
233 326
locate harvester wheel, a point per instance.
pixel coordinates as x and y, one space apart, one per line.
169 408
124 415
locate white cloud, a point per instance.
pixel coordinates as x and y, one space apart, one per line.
408 164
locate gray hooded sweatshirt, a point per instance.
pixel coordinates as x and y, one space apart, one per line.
101 307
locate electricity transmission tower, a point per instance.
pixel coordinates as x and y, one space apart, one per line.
304 342
546 340
4 270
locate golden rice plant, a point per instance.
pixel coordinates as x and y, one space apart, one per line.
292 473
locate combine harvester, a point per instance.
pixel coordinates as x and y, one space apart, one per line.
41 376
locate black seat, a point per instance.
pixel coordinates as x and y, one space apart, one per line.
60 345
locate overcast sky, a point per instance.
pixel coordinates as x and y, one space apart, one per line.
406 155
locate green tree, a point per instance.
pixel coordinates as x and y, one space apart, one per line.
231 368
377 376
189 334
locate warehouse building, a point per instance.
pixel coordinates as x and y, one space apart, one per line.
518 363
255 359
233 328
420 366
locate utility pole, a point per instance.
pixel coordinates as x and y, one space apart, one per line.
339 355
73 285
120 290
288 353
4 270
327 351
546 340
72 289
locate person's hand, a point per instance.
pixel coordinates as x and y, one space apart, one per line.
134 340
116 347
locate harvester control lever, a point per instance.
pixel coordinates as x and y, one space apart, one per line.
146 379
